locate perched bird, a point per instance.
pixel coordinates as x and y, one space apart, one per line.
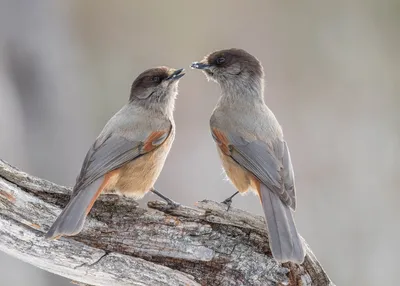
129 154
251 146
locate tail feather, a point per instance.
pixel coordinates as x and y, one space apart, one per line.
284 240
72 218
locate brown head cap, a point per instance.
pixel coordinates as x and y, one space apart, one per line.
154 83
230 62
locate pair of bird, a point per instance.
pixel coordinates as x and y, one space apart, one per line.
128 155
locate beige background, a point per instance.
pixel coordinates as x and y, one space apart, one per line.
333 81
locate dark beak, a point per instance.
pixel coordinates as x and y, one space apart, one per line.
200 66
177 74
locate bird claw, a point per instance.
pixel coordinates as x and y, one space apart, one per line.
227 202
172 204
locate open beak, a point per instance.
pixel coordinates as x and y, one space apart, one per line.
200 66
176 74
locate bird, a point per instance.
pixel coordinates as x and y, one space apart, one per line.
251 146
129 154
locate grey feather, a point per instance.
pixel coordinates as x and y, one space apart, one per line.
120 141
258 158
104 156
159 141
273 167
72 218
113 152
285 241
288 175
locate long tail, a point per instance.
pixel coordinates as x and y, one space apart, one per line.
72 218
284 239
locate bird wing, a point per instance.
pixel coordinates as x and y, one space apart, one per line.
271 164
108 153
115 150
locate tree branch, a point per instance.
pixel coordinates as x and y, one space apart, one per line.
123 244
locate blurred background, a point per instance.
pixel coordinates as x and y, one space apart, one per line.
333 81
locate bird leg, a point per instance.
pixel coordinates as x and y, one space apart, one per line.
170 202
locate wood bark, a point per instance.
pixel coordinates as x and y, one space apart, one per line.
123 244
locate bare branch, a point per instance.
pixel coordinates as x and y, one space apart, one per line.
123 244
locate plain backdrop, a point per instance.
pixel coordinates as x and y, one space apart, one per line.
333 81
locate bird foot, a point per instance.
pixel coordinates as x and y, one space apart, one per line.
171 204
227 202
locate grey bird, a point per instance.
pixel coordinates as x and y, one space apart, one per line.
129 154
251 146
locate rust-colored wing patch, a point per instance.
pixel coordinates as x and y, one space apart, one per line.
222 141
255 185
103 185
154 138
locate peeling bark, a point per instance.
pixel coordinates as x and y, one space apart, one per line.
123 244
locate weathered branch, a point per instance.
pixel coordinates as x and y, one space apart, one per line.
123 244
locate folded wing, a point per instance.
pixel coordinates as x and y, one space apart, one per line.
271 164
102 161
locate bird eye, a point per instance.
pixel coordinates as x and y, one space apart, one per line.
220 60
156 79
